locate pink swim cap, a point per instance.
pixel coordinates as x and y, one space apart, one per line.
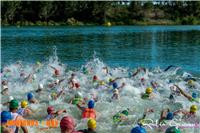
67 122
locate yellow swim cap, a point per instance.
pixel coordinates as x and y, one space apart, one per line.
149 90
193 108
53 94
24 104
102 83
91 124
190 82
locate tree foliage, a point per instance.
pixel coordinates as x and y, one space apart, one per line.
99 12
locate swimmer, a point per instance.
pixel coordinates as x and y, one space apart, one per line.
55 95
40 88
77 99
146 112
30 78
15 116
148 94
91 127
188 114
189 97
31 98
121 116
89 112
67 125
173 129
166 115
55 83
56 71
24 110
4 90
52 114
4 85
73 82
138 129
10 99
5 116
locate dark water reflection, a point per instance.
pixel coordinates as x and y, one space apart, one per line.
129 46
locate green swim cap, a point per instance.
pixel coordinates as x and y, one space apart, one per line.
173 130
125 112
14 104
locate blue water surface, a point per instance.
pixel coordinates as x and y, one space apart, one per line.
128 46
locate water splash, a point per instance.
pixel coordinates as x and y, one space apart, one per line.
130 95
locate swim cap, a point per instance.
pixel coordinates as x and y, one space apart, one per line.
5 87
29 96
78 95
95 78
110 79
116 91
57 81
67 122
91 124
14 104
115 85
11 98
173 130
24 104
34 76
77 85
149 90
194 95
91 104
41 86
190 82
38 63
5 116
170 116
53 94
193 108
50 109
138 129
102 83
125 112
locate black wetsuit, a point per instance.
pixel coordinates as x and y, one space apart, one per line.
87 131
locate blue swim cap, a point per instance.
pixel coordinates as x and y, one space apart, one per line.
194 95
5 116
170 116
91 104
138 129
115 85
29 96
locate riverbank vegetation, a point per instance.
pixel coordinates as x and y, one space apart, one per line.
50 13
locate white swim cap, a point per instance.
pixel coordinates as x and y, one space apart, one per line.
57 81
5 86
34 76
41 86
11 98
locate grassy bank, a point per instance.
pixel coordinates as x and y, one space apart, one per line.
73 22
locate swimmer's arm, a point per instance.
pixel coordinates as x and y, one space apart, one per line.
183 93
5 104
59 112
60 93
81 108
52 67
24 129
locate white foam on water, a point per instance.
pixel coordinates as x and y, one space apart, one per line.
130 95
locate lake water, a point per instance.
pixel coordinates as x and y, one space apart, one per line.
129 46
121 47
